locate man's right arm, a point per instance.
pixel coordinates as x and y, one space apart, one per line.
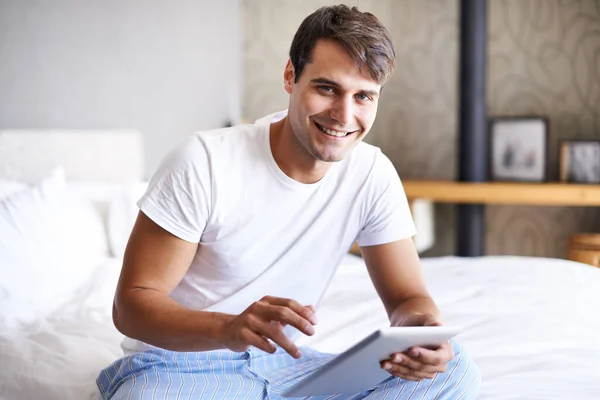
155 262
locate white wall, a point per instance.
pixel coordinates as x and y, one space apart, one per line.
166 68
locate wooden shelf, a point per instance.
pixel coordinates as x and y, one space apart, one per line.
541 194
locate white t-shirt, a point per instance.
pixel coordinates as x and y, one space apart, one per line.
261 232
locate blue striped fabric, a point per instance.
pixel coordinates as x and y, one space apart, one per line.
161 374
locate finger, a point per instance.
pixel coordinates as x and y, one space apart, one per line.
413 365
259 341
440 356
404 372
285 315
272 332
304 312
307 312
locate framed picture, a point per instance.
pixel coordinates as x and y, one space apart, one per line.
518 148
580 161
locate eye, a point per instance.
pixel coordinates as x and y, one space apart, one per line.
326 89
363 97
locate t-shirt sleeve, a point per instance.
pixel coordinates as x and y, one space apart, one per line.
178 194
389 218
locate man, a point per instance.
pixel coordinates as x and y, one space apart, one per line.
241 230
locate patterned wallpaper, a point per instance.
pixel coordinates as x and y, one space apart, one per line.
544 58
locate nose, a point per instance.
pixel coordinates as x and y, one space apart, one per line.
342 111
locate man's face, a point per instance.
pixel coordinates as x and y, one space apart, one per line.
333 104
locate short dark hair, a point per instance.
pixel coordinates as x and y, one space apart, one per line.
361 34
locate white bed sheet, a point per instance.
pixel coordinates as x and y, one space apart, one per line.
60 357
532 326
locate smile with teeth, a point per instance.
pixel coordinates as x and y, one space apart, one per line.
331 132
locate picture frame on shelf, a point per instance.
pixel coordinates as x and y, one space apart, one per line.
518 148
580 161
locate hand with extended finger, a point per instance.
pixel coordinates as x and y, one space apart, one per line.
261 325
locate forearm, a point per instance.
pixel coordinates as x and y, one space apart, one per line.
417 305
156 319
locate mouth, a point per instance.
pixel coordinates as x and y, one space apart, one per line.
332 132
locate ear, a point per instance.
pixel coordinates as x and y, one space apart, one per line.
288 76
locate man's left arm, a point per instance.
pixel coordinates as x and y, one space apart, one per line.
395 270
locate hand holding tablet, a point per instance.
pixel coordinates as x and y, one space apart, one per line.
418 363
360 367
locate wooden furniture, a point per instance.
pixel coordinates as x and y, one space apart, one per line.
489 193
539 194
585 248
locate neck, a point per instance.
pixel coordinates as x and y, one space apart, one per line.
291 156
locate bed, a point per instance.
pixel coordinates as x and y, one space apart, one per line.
531 324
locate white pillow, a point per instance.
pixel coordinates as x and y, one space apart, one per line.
122 213
97 194
49 245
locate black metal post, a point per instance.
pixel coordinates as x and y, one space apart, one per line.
472 132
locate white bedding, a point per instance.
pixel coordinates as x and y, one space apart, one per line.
60 357
532 325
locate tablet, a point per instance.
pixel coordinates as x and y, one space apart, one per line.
358 368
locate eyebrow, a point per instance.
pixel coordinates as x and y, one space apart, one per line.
329 82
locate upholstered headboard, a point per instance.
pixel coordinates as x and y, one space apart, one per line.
111 156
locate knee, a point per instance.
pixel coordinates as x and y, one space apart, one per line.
464 374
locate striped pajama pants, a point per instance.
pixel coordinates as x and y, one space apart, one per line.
254 374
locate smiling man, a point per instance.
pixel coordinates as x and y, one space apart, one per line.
241 230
